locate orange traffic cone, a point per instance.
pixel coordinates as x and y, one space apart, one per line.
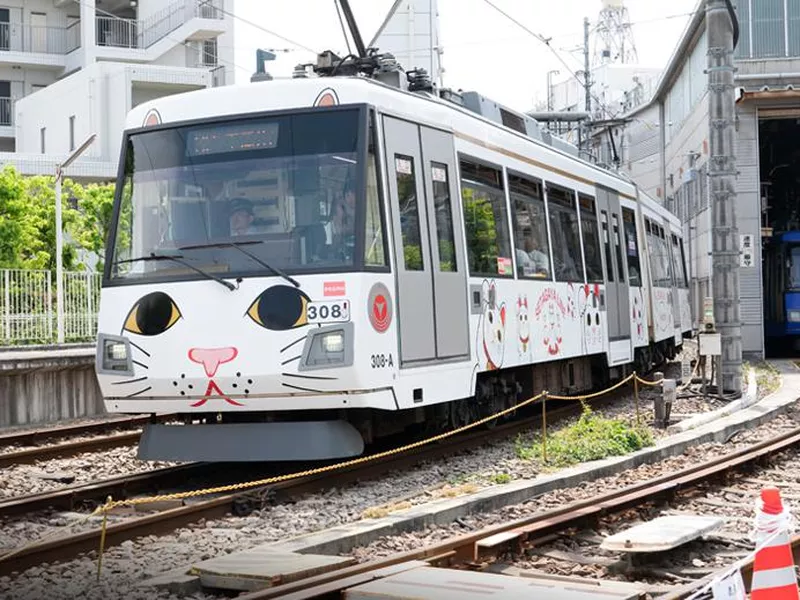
773 569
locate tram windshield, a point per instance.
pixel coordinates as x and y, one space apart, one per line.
291 186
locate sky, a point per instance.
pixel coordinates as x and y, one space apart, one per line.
482 49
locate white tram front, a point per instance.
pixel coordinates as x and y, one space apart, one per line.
298 266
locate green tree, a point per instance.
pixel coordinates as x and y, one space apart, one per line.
93 220
27 220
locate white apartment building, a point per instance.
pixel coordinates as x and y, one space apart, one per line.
71 68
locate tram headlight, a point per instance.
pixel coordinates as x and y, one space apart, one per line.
333 342
330 346
794 316
113 355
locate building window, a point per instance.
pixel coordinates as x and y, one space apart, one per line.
72 133
42 139
209 56
486 220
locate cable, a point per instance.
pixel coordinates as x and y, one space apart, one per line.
257 26
344 31
734 22
546 42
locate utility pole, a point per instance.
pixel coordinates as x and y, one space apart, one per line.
587 78
722 173
60 237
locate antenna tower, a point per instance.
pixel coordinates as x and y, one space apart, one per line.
614 37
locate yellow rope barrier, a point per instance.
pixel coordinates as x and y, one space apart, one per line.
110 504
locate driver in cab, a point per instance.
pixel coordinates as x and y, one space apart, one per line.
241 217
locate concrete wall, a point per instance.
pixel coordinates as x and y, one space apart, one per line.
99 97
45 386
641 150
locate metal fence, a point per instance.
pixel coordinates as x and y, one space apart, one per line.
28 306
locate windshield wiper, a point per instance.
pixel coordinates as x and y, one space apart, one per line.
238 246
178 259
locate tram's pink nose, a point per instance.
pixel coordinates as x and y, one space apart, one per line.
212 358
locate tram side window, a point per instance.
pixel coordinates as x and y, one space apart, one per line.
683 263
530 227
567 264
607 245
654 247
409 212
444 217
374 244
631 248
591 240
665 254
680 271
485 220
618 246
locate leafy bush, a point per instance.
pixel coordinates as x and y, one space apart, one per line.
592 437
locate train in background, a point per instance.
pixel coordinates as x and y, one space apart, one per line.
298 267
781 275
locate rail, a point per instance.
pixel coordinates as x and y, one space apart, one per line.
57 545
48 548
467 548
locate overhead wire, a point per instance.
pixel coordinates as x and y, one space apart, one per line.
259 27
546 42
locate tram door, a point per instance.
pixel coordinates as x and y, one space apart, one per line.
431 267
611 237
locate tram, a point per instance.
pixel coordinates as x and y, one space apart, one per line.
299 267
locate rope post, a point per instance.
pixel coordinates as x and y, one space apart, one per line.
544 427
636 398
103 537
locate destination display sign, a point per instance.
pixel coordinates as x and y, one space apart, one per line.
232 138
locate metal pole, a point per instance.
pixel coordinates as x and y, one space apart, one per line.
587 83
544 427
59 265
722 173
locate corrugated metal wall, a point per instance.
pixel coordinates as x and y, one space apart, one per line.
748 213
763 28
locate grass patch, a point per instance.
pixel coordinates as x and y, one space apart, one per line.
592 437
501 478
768 378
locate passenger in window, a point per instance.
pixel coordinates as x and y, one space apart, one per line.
241 217
343 225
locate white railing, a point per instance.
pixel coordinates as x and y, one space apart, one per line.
24 37
133 33
28 306
6 111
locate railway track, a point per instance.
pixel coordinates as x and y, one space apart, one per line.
478 549
71 448
67 547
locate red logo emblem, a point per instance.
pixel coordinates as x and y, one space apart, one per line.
334 288
379 306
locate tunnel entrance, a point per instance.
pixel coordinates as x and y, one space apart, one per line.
779 153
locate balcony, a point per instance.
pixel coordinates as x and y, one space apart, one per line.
41 39
117 32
